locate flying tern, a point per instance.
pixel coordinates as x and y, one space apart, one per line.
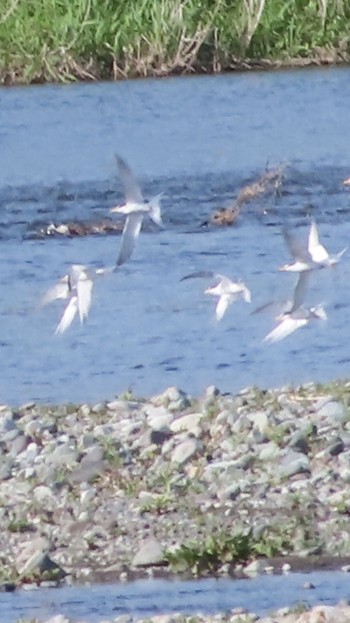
292 315
310 256
135 208
226 289
290 322
76 286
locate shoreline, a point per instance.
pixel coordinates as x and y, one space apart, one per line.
175 485
324 58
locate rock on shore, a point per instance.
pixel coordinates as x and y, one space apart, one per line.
174 484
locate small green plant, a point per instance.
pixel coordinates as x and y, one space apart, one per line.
208 556
111 452
277 434
299 608
20 526
159 505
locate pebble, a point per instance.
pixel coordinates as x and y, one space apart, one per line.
150 553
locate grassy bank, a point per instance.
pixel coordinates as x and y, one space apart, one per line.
62 40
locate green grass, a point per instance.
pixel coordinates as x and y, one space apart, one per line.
208 556
64 40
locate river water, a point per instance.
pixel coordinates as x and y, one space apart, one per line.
198 140
146 598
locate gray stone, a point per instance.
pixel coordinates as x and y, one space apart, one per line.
269 451
189 422
336 447
34 558
293 463
211 392
7 423
58 618
91 466
332 410
229 493
63 455
260 420
43 494
6 464
175 399
299 441
18 445
9 436
158 417
149 553
185 451
100 407
123 618
159 437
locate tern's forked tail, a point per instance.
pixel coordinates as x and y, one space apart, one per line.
155 209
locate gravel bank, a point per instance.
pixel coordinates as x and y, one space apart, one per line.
318 614
213 485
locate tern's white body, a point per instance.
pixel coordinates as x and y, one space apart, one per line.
293 316
226 289
318 252
77 287
135 208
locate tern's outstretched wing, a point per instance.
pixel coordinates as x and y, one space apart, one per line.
222 305
68 315
284 328
131 187
130 234
296 248
300 290
317 251
201 273
59 291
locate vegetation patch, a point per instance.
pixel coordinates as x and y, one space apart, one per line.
209 555
64 40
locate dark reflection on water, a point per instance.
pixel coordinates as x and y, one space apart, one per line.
145 598
198 140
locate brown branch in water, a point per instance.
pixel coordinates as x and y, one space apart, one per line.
270 182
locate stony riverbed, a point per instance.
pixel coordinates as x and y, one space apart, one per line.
218 484
318 614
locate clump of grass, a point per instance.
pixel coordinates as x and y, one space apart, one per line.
221 548
159 505
62 40
208 556
20 526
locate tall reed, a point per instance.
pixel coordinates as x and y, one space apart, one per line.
61 40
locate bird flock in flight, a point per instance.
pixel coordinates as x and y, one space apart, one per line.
76 286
